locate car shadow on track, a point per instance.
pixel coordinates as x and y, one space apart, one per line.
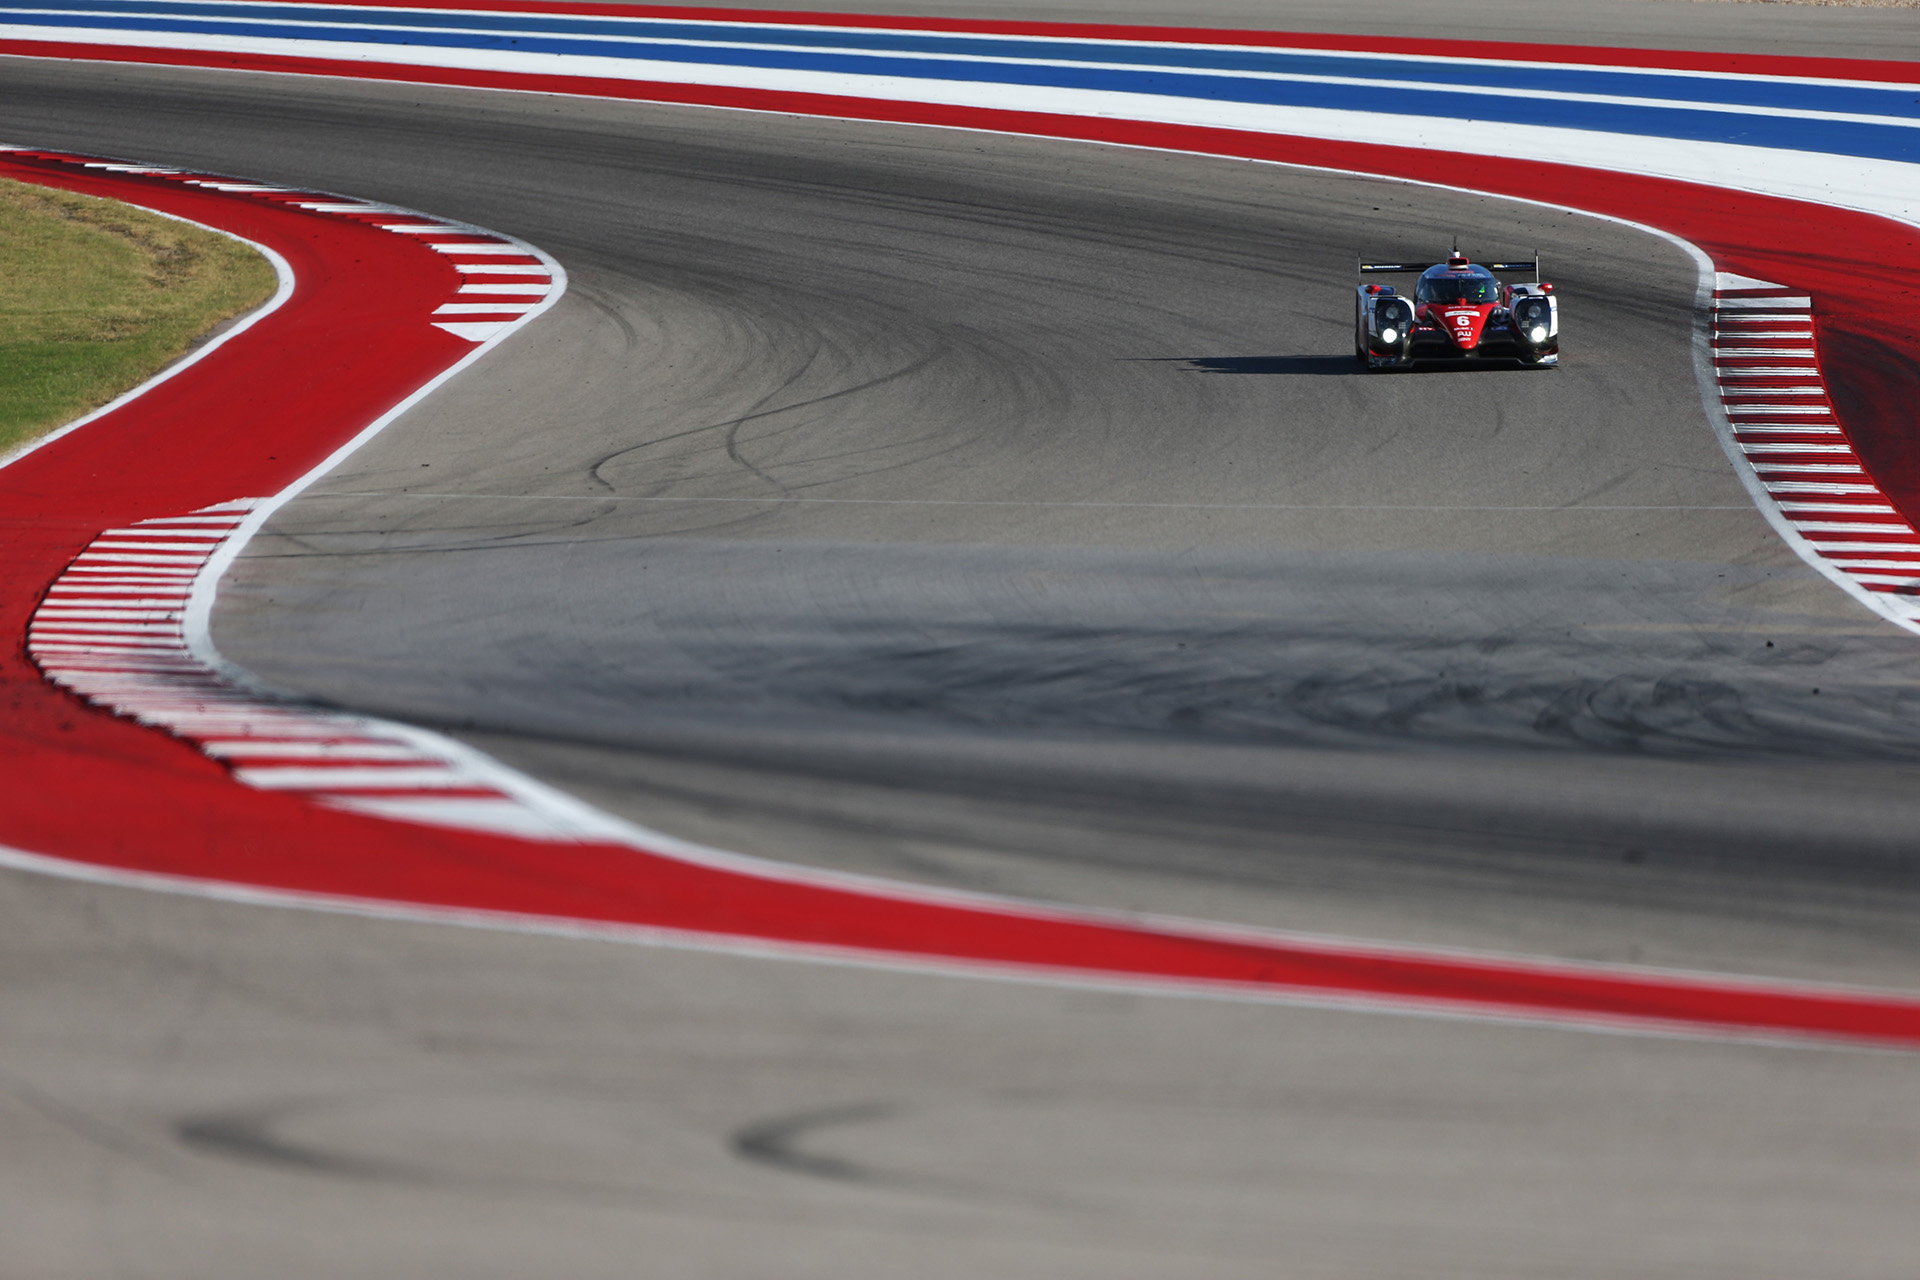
1265 364
1321 365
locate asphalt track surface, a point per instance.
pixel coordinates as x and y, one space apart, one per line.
1002 514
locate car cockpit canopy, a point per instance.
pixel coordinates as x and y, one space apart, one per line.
1448 283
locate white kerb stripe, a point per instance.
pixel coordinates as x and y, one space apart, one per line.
497 817
1851 526
130 612
317 749
217 522
347 778
170 542
1891 544
474 330
479 248
96 557
1797 302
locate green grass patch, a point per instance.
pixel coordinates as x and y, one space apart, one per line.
96 297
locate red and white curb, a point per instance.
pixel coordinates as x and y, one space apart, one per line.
124 625
1766 365
502 281
114 630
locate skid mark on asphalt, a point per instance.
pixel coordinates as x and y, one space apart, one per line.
776 1143
248 1136
782 1142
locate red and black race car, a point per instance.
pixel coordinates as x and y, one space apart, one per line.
1459 311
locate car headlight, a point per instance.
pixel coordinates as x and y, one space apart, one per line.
1389 334
1533 317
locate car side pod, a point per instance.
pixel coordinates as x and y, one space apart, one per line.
1535 320
1382 328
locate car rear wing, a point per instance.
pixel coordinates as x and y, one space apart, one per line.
1415 268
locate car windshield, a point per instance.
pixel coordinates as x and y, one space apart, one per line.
1457 288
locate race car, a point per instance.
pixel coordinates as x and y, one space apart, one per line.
1459 311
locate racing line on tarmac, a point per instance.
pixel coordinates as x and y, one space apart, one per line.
124 527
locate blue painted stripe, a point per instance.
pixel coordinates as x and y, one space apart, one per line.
1016 63
1893 100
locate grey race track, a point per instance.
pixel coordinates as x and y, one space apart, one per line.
1005 514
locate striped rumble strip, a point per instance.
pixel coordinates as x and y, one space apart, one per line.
1767 367
114 627
113 630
